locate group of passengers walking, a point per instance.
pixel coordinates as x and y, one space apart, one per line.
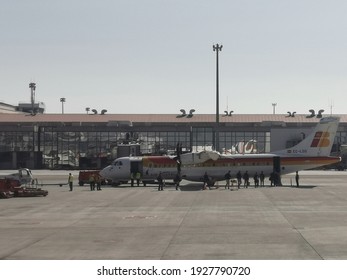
258 179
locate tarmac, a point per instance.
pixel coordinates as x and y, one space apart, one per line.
142 223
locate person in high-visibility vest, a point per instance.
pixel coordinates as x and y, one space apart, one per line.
138 178
92 182
70 181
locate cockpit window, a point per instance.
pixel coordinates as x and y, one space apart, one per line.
117 163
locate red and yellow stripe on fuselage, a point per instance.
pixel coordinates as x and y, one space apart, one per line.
216 169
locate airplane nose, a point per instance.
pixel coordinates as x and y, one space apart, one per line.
104 172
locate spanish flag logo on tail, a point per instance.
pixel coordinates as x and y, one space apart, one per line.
320 139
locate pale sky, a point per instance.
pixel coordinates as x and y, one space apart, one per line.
155 56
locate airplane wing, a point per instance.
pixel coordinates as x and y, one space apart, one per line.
200 157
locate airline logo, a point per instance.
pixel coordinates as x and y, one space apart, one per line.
321 139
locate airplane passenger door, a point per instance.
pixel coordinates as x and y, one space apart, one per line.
277 165
136 166
277 170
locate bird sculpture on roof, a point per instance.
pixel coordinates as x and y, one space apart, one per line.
183 114
313 114
191 111
320 112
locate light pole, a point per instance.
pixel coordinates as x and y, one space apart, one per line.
274 108
32 86
217 48
62 100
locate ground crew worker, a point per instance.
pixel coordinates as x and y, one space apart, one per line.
138 177
132 178
246 179
92 182
160 182
70 181
297 178
206 180
262 178
98 182
227 177
256 179
238 177
272 178
177 181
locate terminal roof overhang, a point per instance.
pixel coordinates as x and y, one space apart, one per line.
157 119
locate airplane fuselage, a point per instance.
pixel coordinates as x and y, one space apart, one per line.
151 166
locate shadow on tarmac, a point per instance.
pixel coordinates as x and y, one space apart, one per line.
194 187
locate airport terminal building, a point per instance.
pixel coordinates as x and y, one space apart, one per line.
87 141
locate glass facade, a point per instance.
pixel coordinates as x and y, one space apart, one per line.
244 142
61 146
340 139
17 141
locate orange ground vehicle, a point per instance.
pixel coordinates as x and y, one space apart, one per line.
83 177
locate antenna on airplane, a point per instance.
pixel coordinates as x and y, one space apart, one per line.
94 111
103 111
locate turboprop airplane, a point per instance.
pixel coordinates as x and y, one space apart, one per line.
312 152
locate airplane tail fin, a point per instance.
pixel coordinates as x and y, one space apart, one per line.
319 142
